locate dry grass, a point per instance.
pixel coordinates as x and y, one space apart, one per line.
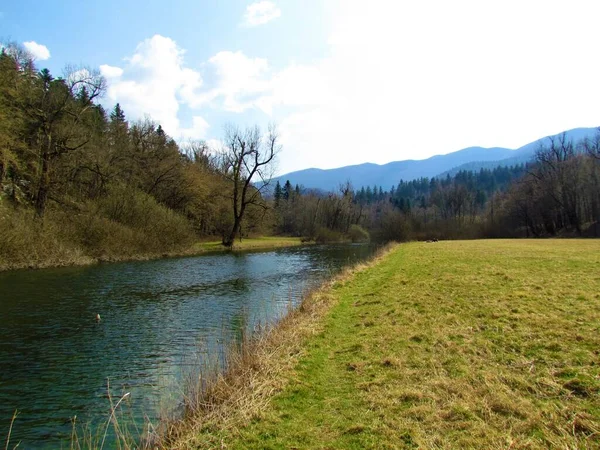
119 431
478 344
257 370
257 243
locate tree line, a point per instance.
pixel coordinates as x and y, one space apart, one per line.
558 193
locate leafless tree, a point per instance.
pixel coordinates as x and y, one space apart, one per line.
592 146
246 157
22 57
558 173
199 153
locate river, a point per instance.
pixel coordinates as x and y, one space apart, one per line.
157 318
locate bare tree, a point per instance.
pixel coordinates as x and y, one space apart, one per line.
558 172
22 57
592 146
246 156
199 153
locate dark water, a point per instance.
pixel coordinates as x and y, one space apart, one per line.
55 359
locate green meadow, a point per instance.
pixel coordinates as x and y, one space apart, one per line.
456 344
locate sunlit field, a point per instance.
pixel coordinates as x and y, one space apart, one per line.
464 344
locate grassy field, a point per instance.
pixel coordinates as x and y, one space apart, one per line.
464 344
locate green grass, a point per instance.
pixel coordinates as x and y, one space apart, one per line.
477 344
260 243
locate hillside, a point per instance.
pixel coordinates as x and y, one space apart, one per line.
387 175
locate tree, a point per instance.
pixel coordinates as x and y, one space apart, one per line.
287 190
247 154
11 117
277 194
57 110
592 146
117 115
558 173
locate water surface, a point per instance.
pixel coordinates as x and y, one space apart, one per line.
56 360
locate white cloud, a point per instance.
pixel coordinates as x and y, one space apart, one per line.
110 71
399 82
198 129
260 13
241 81
154 82
298 86
38 51
413 79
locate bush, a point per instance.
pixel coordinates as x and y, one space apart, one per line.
393 226
126 223
25 242
327 236
356 233
157 227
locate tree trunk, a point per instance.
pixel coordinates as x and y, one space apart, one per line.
42 192
230 239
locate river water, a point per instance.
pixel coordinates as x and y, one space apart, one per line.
157 318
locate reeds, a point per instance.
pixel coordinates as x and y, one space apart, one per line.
12 421
125 432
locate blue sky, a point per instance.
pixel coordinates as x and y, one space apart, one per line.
346 81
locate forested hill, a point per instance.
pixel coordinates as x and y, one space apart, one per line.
479 186
557 193
523 154
79 183
388 175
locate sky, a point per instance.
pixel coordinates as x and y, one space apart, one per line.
345 81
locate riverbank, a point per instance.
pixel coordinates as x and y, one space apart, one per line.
74 257
261 243
463 344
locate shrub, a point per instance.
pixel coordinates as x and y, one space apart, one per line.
126 223
327 236
157 227
356 233
26 242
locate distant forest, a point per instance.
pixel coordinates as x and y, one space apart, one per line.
78 181
558 193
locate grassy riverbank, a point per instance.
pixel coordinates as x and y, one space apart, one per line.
58 255
479 344
261 243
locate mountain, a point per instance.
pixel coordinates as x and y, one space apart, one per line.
388 175
522 154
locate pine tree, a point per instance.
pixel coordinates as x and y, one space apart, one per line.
117 115
287 190
277 194
369 195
